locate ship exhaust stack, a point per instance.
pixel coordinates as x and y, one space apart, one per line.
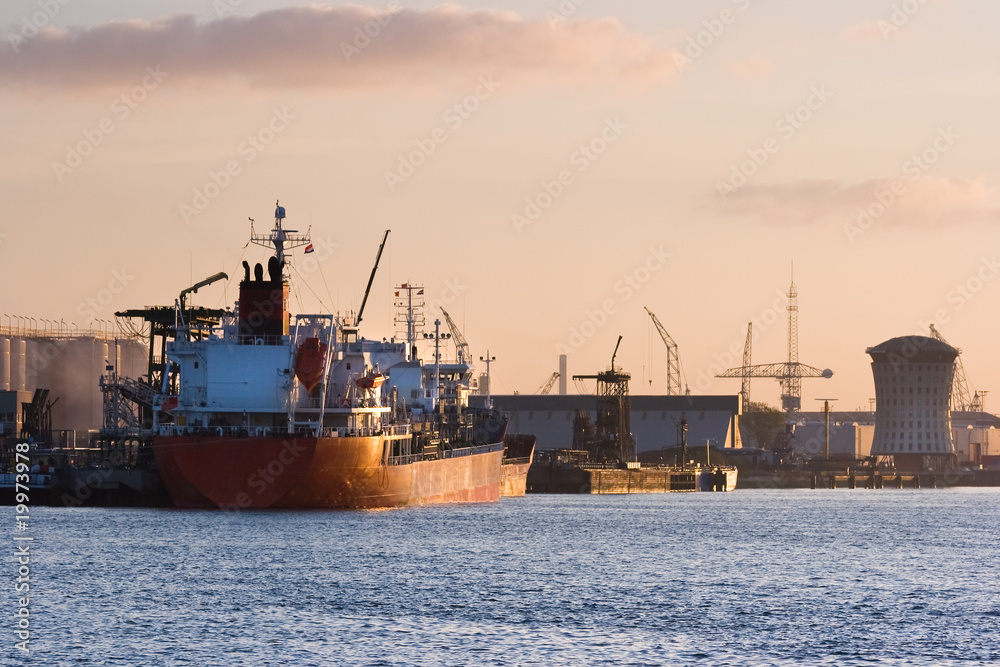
263 309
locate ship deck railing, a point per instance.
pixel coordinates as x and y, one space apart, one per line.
260 340
518 461
36 480
304 429
471 451
446 454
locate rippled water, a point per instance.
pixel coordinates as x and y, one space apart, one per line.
752 577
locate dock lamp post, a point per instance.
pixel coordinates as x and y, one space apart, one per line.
437 337
826 413
488 359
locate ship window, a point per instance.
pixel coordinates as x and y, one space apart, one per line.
196 364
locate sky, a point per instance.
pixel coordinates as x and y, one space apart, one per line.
547 170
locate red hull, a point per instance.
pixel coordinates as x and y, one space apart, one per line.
306 472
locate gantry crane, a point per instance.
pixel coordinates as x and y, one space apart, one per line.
788 373
461 345
673 359
547 386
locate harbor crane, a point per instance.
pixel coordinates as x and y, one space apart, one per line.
960 399
614 440
788 373
547 386
745 387
461 345
673 359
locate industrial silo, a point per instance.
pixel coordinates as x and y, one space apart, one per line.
4 364
913 380
18 347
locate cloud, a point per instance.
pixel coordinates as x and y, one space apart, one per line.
343 47
927 201
754 67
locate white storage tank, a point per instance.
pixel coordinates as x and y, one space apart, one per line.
4 364
17 369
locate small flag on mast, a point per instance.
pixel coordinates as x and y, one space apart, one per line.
309 249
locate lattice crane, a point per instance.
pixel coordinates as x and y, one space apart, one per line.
788 373
461 345
745 388
961 401
673 359
547 386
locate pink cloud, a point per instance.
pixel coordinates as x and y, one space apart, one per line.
344 47
923 202
754 67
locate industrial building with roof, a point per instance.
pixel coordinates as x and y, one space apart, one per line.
913 384
712 420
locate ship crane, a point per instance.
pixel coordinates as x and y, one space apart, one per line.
673 359
789 373
204 283
368 289
461 345
547 387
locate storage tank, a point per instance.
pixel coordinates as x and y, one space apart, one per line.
30 365
4 364
17 369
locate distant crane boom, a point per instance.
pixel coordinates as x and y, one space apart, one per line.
960 398
673 359
547 386
461 345
789 373
745 389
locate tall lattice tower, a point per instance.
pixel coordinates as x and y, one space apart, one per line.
788 373
791 397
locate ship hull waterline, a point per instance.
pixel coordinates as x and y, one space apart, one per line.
303 472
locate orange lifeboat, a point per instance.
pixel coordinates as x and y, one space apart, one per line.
370 380
310 363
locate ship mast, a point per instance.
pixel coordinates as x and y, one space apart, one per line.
280 238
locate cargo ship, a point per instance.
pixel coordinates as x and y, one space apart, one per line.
270 410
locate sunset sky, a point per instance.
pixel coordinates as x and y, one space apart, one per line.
546 169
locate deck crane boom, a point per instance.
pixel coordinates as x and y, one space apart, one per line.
461 345
371 278
204 283
673 360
